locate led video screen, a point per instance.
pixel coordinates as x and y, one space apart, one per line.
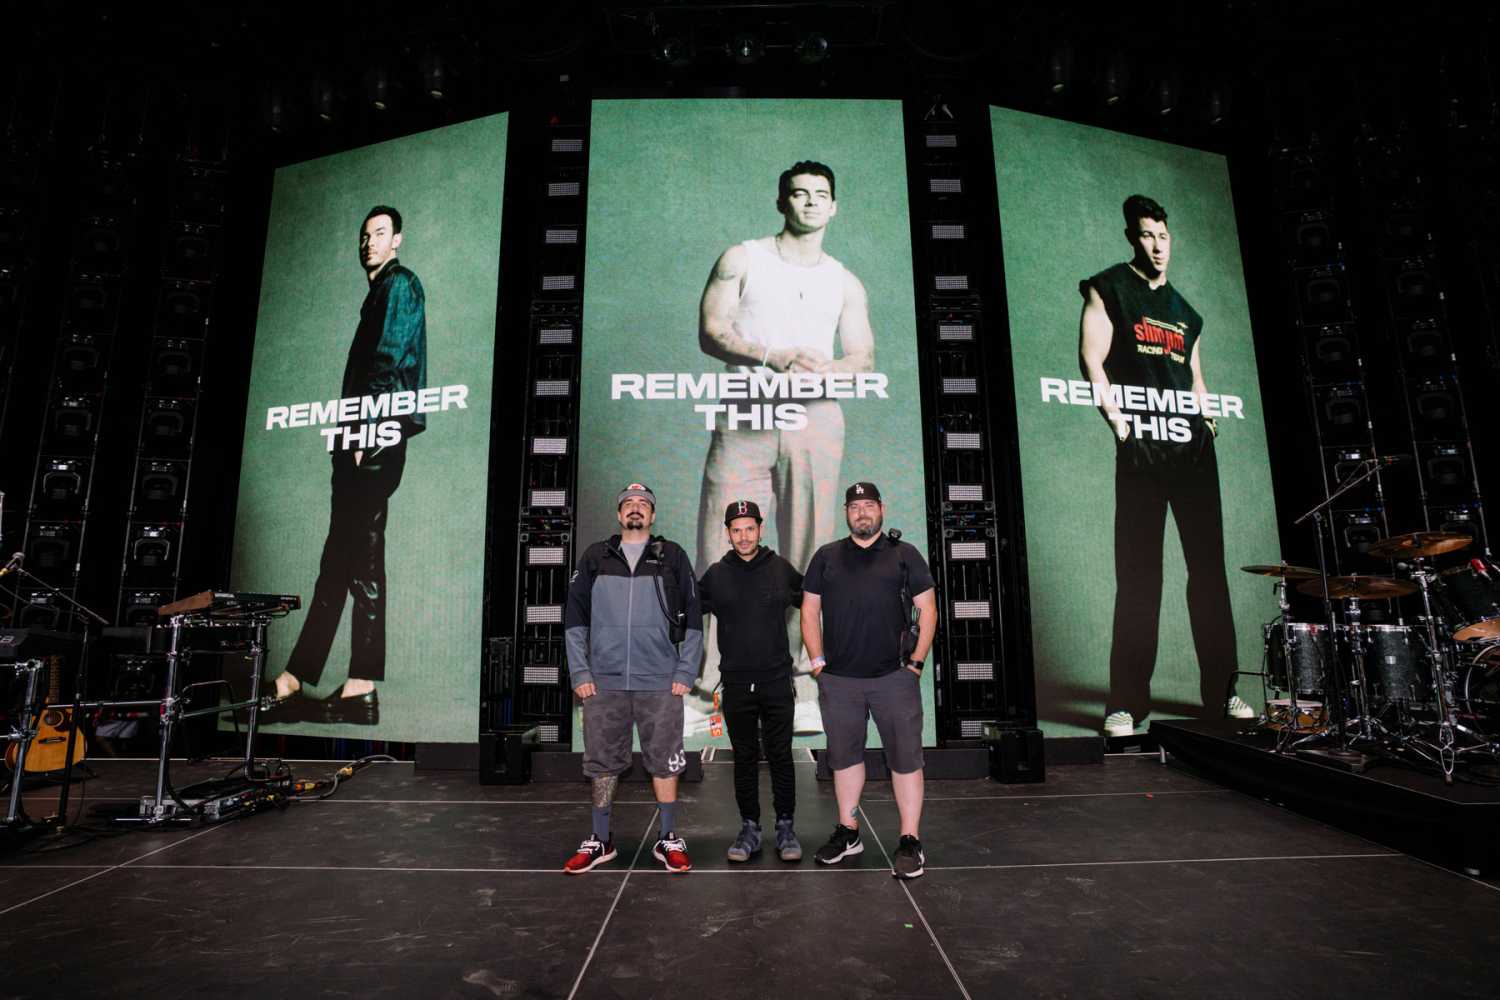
676 189
1145 476
364 476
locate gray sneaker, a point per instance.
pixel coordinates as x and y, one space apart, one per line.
788 848
747 844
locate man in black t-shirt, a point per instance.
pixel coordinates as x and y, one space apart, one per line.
1138 331
748 592
858 595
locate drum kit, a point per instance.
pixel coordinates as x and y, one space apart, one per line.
1422 688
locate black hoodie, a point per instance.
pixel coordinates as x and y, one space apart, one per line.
750 598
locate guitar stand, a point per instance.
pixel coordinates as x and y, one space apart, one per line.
16 821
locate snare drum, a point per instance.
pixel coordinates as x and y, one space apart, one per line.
1472 592
1395 665
1306 651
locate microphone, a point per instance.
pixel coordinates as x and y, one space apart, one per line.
16 558
895 534
1391 459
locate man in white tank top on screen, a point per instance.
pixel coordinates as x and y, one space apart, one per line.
781 304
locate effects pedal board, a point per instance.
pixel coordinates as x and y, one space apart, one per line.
223 805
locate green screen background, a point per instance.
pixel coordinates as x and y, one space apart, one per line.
447 185
672 184
1060 187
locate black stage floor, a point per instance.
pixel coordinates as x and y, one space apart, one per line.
1127 879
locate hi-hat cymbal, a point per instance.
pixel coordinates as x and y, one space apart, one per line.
1420 543
1362 588
1282 570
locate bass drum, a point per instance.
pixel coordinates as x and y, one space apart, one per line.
1479 691
1298 657
1472 593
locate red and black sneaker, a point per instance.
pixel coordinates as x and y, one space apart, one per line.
590 853
671 851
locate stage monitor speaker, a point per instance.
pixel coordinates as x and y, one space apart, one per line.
505 756
1016 755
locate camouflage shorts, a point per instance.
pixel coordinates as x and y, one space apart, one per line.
607 718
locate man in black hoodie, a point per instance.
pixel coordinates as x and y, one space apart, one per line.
750 590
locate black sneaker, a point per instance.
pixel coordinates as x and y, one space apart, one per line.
910 861
844 842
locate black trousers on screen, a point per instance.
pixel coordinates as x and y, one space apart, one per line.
762 714
1143 495
353 566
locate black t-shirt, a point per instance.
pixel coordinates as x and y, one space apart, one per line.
1155 331
861 593
751 599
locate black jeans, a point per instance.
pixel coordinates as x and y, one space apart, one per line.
762 714
1143 494
353 564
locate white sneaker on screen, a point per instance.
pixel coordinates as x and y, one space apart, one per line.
807 718
694 720
1119 724
1240 709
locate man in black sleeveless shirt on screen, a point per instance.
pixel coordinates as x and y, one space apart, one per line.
1138 334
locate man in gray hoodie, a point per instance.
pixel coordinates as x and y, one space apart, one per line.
634 630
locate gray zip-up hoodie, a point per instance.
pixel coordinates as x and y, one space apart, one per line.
617 633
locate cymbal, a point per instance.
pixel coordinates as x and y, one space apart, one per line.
1281 569
1420 543
1363 588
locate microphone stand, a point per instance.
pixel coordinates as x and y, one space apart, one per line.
1342 755
80 684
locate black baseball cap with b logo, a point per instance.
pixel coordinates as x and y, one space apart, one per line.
741 508
861 491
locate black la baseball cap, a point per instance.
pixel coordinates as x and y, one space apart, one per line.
636 490
861 491
741 508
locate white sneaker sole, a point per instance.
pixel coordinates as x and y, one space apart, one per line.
916 874
663 859
858 847
592 865
741 860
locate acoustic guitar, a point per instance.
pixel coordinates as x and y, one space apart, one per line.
49 750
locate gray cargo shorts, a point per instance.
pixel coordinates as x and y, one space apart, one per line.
607 718
894 700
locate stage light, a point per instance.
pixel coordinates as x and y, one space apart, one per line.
973 729
974 671
672 50
950 282
555 336
949 231
560 237
564 145
813 48
273 110
971 610
546 555
434 75
562 189
942 140
961 441
1060 68
377 87
960 386
559 282
1220 103
1114 83
1166 95
549 446
965 493
324 100
551 387
544 614
541 673
956 331
945 185
549 498
62 482
747 48
968 551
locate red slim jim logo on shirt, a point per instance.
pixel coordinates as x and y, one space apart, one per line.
1165 338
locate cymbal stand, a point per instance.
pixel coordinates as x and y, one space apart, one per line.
1447 715
1357 661
1342 754
1284 734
